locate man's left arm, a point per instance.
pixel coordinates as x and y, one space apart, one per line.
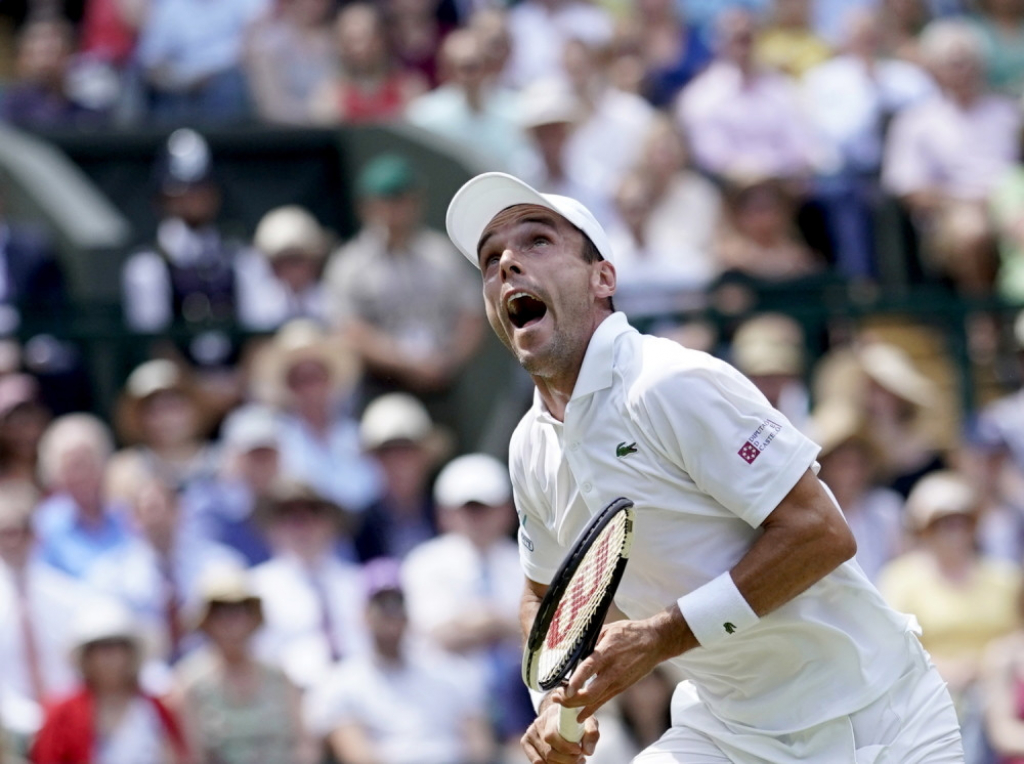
805 538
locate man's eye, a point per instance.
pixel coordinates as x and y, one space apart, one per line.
540 240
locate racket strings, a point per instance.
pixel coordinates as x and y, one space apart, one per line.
582 599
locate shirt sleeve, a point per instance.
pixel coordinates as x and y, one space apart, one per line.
715 424
906 167
539 552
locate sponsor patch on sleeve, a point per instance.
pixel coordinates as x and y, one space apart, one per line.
759 440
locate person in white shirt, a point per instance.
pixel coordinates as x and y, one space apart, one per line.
463 588
312 600
740 572
400 703
38 604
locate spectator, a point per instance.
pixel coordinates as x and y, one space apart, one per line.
398 295
80 521
289 55
901 24
769 349
38 603
540 30
672 50
470 111
224 511
962 599
311 598
899 403
548 112
788 43
664 244
463 588
1006 210
850 101
40 97
310 376
945 156
743 120
759 238
607 117
369 85
848 466
1001 687
1001 24
23 418
396 705
157 574
164 419
237 709
416 35
294 247
191 55
490 24
398 432
35 283
192 274
109 718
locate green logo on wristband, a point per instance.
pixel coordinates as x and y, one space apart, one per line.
729 628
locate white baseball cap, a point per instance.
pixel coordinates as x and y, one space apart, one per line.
481 198
473 478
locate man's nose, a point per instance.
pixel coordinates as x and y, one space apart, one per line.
509 263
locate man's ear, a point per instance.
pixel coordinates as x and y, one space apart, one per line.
603 280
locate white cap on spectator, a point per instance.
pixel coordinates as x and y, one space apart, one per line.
104 620
401 418
481 198
251 427
473 478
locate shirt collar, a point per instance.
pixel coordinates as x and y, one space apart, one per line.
596 370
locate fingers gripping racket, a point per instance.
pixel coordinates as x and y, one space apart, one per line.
572 611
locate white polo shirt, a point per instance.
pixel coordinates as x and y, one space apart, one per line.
705 458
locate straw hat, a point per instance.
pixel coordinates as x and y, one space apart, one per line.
297 341
147 380
548 102
769 344
286 491
290 230
835 423
398 418
225 584
940 494
891 368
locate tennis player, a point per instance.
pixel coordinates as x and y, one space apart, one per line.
741 571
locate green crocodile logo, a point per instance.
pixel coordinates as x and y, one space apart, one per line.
729 628
625 449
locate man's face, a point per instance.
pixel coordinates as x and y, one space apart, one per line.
543 300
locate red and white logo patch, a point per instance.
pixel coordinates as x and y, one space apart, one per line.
749 452
759 440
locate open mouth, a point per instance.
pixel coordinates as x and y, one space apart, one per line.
524 309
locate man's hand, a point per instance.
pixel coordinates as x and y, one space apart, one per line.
626 652
544 745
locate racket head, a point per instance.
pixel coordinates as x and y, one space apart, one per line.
572 611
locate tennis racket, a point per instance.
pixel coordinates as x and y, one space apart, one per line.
572 611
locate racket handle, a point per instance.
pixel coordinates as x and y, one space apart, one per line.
568 726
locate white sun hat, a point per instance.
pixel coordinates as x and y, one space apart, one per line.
481 198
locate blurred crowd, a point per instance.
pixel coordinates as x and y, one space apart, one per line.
279 547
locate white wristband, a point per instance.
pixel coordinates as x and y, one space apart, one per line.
716 610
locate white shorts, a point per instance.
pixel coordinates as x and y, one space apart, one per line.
914 722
